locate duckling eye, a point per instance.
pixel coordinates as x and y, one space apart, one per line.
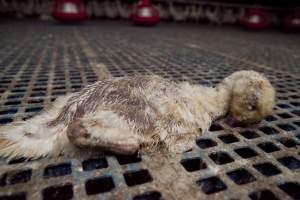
251 107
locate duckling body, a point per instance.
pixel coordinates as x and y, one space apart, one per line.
127 114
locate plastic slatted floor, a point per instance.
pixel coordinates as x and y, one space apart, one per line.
40 61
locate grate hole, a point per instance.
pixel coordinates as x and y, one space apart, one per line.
193 164
270 118
13 103
153 195
15 96
215 127
284 115
35 101
34 109
17 161
283 105
221 158
249 134
297 123
17 196
286 127
137 177
58 192
20 177
290 162
268 147
58 170
211 185
92 164
228 138
99 185
126 159
268 130
291 188
288 142
246 152
296 112
6 120
295 104
3 180
241 176
8 112
262 195
267 169
38 94
206 143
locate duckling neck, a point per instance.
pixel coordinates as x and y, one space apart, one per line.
215 100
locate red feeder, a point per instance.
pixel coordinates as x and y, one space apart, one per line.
69 10
255 19
292 21
144 13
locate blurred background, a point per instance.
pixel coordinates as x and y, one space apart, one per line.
273 13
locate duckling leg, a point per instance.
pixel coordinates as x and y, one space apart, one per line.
100 133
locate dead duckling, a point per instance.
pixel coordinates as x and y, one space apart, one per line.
126 114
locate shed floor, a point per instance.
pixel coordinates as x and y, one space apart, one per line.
42 60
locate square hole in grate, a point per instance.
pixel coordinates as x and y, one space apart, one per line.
228 138
221 158
5 120
268 130
294 103
34 109
38 94
283 105
92 164
18 160
297 123
215 127
285 115
249 134
291 188
268 147
288 142
9 111
99 185
3 178
58 170
15 96
267 169
211 185
290 162
35 101
246 152
12 103
205 143
16 196
126 159
286 127
58 192
152 195
133 178
262 195
270 118
241 176
20 177
193 164
296 112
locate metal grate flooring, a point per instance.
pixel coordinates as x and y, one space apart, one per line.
42 60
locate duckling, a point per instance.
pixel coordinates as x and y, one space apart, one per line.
127 114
